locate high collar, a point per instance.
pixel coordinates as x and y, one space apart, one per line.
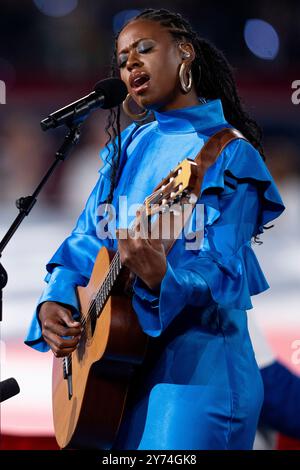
191 119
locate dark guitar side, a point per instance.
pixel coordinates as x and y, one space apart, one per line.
102 366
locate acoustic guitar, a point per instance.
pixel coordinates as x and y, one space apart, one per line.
89 386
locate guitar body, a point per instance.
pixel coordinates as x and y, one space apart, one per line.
90 386
110 348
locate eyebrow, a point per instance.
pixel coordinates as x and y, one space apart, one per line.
135 43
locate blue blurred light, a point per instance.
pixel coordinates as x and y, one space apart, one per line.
56 8
122 17
261 38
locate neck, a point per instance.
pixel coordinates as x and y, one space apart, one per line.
182 101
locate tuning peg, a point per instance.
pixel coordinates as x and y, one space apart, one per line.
193 198
176 212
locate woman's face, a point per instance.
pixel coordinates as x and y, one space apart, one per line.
149 61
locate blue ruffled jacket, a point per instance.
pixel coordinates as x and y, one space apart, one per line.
201 368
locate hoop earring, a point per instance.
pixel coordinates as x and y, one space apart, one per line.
136 117
185 88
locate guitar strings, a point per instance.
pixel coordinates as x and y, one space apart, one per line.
102 295
114 262
103 291
103 288
91 311
107 278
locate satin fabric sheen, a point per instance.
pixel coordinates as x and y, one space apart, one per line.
199 387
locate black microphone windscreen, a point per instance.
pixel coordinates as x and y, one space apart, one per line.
8 388
114 90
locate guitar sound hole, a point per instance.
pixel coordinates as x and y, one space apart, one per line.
89 326
93 320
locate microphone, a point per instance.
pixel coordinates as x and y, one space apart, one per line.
107 94
8 388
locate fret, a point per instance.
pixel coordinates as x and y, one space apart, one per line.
107 285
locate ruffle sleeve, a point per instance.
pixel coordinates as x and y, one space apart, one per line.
239 197
240 162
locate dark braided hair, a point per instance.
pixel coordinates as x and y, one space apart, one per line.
212 75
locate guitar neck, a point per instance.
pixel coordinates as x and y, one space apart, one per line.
108 283
180 183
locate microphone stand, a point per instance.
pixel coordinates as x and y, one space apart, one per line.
25 204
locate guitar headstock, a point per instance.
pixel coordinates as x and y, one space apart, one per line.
181 185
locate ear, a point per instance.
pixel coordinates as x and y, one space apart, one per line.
187 51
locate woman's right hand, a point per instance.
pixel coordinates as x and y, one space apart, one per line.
57 322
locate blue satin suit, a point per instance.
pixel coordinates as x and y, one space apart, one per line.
199 387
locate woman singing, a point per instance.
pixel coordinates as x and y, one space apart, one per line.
199 386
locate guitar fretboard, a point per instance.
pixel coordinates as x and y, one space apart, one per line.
108 283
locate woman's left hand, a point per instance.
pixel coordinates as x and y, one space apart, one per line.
144 256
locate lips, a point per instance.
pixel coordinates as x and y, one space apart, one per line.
138 81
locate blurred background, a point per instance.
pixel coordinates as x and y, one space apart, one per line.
53 52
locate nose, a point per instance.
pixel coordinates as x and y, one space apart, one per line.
133 61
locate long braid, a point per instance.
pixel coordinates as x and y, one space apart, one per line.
113 131
213 77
